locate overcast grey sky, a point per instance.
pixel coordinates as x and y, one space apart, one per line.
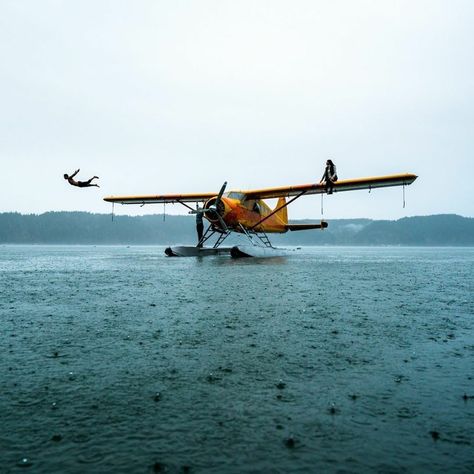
180 96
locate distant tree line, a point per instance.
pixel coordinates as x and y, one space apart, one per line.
87 228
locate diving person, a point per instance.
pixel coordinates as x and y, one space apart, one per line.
80 184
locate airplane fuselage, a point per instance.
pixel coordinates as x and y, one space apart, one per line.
247 214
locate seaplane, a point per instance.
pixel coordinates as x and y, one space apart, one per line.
247 213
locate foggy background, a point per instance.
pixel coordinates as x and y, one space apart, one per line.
166 97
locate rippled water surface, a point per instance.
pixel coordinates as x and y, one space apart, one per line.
117 359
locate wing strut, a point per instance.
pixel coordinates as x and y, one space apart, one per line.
185 205
278 209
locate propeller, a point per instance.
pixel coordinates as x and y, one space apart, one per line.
213 206
212 209
200 211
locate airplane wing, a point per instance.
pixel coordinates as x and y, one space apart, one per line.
269 193
160 198
341 185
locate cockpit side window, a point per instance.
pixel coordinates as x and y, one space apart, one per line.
252 205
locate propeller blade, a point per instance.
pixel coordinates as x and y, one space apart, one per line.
223 224
221 192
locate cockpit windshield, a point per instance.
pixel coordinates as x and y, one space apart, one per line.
235 195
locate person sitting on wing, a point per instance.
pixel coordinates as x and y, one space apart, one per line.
80 184
329 176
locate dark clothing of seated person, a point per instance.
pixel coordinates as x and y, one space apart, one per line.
329 176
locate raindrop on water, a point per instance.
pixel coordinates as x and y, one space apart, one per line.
24 462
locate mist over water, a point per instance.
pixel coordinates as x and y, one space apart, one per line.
118 359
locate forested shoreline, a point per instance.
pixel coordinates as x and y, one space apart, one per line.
87 228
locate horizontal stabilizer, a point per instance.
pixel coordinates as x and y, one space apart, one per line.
293 227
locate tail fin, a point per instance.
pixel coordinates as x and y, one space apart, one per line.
282 214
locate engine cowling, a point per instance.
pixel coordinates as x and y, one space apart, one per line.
213 206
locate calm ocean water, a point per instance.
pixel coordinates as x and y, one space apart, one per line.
118 359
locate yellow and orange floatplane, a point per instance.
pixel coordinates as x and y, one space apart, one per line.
246 212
